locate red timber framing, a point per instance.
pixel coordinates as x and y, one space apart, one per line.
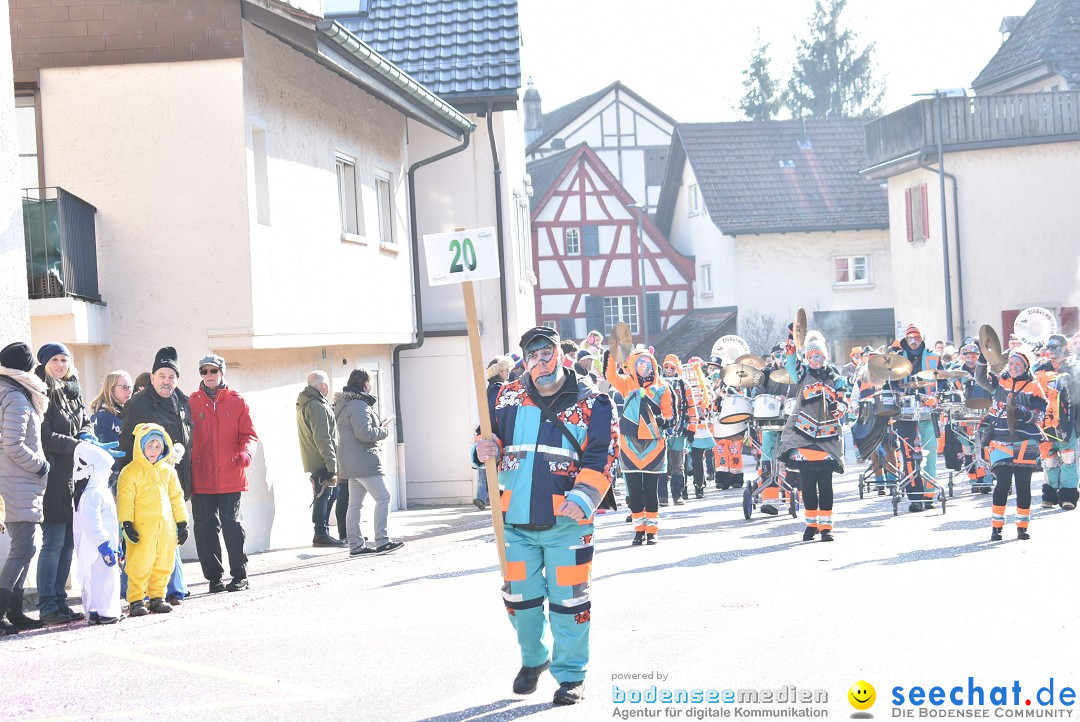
579 275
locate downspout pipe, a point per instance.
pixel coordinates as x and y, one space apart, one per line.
956 230
496 169
418 305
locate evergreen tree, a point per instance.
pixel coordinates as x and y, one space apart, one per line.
764 96
832 77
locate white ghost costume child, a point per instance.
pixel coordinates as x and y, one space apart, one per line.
97 534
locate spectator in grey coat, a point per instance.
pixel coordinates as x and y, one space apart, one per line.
360 436
23 477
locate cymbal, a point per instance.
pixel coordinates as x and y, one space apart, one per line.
889 366
799 328
740 376
1010 414
990 345
780 376
940 375
620 342
752 360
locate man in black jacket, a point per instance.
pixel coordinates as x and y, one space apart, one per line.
163 403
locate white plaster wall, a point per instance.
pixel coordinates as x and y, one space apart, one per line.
309 114
697 236
777 273
1019 240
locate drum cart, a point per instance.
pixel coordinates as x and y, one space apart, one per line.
771 489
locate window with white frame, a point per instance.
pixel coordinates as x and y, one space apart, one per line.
851 270
27 142
352 211
706 280
693 199
621 308
385 194
573 242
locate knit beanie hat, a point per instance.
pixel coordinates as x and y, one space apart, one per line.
49 350
497 365
913 328
815 342
17 356
166 358
1025 353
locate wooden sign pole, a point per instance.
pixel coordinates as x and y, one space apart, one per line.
485 420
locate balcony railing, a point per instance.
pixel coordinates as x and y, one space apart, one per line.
61 245
972 120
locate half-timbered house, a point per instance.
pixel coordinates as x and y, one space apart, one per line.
600 259
629 134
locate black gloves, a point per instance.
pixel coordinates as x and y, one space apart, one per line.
44 470
130 533
181 532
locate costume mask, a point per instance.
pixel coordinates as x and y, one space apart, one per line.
542 362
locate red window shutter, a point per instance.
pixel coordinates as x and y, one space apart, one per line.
1008 320
907 215
925 212
1070 320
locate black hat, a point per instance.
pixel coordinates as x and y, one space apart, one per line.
166 358
17 356
544 332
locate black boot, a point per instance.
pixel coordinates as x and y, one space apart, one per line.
5 627
158 605
1049 497
995 534
1068 498
15 612
826 535
1022 533
527 678
809 533
650 539
639 538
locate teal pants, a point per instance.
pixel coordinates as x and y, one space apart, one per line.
556 565
1060 463
770 442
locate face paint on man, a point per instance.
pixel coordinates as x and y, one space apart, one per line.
815 359
542 362
671 370
644 369
970 359
914 341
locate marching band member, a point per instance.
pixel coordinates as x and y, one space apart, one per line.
885 460
813 440
921 434
1013 452
703 439
648 409
727 452
969 358
679 434
770 438
1059 377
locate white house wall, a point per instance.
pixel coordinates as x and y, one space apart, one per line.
283 93
15 319
697 236
1018 215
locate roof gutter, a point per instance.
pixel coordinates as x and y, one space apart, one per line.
802 229
956 229
365 56
496 169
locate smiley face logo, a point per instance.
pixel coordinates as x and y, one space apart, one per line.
862 695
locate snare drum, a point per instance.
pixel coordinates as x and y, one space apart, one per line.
953 397
767 410
886 403
735 408
789 407
726 431
909 408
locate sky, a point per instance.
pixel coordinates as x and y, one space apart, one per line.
687 56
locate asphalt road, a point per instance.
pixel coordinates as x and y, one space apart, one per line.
721 603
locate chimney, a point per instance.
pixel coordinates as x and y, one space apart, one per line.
533 117
1008 25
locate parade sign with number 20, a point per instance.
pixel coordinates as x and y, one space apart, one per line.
468 255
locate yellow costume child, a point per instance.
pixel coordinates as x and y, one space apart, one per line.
150 504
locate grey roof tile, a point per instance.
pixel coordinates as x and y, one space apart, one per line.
759 177
697 331
459 49
1049 33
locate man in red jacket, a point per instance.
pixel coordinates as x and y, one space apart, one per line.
224 442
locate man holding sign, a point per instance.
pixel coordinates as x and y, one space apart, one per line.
555 439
